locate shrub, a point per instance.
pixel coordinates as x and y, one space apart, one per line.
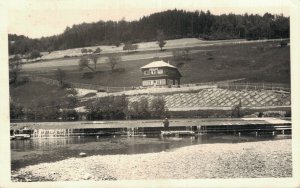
101 90
72 91
69 114
140 109
21 81
288 114
87 75
236 110
98 50
158 107
111 107
35 54
16 111
283 44
66 85
84 51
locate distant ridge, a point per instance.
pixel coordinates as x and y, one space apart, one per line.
174 23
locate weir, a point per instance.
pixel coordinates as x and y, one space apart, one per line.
155 127
154 131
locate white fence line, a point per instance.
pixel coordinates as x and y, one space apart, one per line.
229 84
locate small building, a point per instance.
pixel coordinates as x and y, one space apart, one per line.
160 74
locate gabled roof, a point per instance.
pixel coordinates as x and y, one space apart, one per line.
156 64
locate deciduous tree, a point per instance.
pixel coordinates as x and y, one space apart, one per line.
15 68
84 63
60 75
94 58
113 60
161 39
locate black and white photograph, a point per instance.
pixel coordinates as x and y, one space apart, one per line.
152 91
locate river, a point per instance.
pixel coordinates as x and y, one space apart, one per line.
39 150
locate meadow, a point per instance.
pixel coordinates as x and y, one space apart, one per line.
256 62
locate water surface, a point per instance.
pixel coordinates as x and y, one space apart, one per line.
38 150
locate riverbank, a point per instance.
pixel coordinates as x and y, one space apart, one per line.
242 160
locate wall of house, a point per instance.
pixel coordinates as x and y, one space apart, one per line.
170 75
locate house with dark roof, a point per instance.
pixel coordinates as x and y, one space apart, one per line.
160 74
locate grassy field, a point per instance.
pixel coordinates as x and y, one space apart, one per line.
143 46
256 62
34 94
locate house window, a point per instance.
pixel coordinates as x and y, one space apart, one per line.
154 71
154 82
146 83
146 72
160 71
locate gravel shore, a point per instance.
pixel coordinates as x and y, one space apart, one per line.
241 160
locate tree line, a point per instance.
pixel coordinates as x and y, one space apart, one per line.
172 23
105 108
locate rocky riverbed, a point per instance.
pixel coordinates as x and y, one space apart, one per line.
240 160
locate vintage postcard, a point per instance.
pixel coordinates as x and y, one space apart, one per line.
154 93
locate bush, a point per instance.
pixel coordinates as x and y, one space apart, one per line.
71 91
84 51
101 90
140 109
111 107
69 114
66 85
283 44
35 54
16 111
158 107
236 110
21 81
288 114
87 75
119 70
98 50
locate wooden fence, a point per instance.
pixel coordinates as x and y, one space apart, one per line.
227 84
256 86
100 88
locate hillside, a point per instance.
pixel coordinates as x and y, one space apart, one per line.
174 24
260 62
256 62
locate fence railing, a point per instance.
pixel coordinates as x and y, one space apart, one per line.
256 86
227 84
100 88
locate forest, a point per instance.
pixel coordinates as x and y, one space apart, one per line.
173 23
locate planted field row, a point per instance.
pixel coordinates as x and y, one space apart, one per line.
221 98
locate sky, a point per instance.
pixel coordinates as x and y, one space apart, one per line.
37 18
